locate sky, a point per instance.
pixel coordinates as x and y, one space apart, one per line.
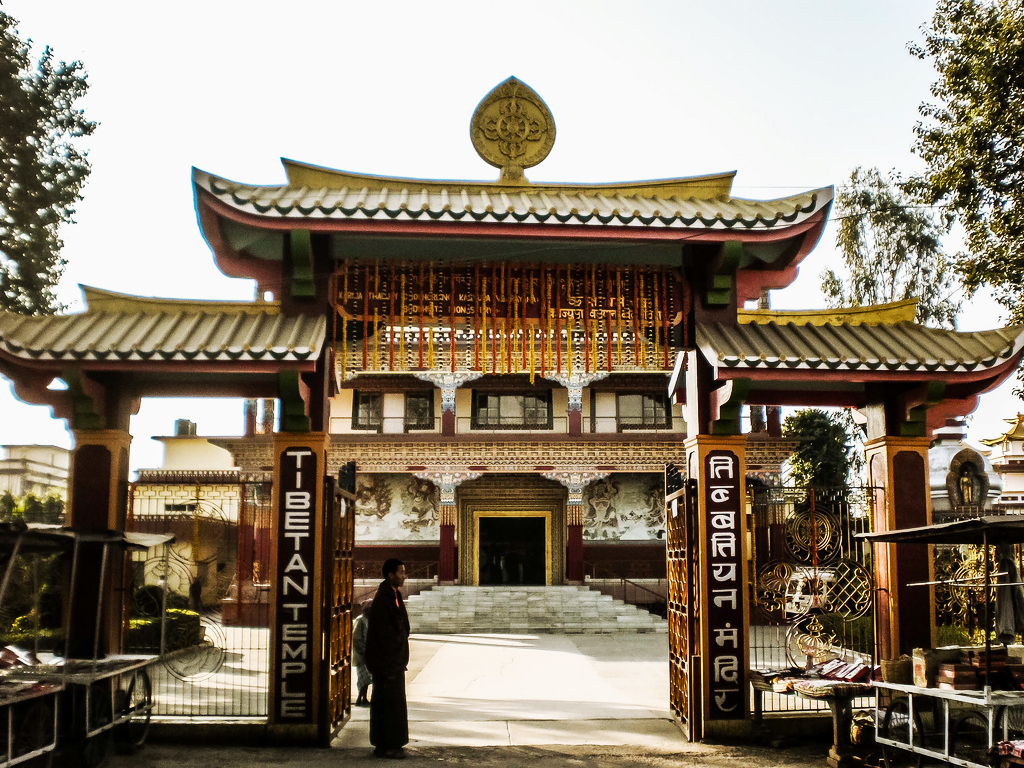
790 95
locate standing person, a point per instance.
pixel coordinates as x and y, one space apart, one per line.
387 657
363 677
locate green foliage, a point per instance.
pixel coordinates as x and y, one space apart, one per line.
972 138
953 634
891 251
31 509
822 458
183 631
41 170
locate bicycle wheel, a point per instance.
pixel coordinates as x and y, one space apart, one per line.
94 750
136 702
1013 718
968 739
896 726
34 732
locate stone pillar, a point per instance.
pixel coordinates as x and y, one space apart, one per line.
297 594
575 383
719 465
898 466
448 383
574 482
97 499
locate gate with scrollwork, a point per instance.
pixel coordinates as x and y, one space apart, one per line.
812 580
216 663
683 603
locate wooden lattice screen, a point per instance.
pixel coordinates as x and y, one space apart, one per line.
339 539
683 602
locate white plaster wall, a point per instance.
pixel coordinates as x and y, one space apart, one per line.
193 453
605 410
394 412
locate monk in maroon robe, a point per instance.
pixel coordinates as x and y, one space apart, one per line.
387 657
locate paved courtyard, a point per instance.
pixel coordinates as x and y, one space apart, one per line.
517 700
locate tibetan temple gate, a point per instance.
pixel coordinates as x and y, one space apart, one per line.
512 367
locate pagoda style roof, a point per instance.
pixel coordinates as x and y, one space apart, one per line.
116 327
1015 432
904 346
314 193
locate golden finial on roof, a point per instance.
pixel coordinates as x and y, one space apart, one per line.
512 129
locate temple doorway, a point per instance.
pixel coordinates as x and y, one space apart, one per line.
513 548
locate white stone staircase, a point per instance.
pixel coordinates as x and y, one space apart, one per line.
525 610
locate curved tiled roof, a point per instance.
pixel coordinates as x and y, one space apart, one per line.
698 203
894 347
183 335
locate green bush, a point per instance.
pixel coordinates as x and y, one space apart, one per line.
183 630
148 600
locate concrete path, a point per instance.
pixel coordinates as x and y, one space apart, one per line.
517 690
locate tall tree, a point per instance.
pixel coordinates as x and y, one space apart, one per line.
972 138
891 251
41 169
823 456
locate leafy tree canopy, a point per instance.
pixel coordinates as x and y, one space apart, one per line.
41 170
822 458
972 138
891 251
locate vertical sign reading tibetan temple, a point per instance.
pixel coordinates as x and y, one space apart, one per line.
296 536
725 594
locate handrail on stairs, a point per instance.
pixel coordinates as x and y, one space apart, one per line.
600 572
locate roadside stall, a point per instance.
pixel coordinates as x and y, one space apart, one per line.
56 694
963 702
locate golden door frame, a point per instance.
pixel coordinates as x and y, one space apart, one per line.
481 513
512 495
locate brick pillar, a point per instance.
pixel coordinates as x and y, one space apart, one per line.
719 465
899 467
297 588
97 499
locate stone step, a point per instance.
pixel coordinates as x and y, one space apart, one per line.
569 609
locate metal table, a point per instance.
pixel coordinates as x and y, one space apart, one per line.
966 724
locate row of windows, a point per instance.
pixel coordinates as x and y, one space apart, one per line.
508 410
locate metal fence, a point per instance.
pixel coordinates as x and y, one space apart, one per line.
812 585
217 663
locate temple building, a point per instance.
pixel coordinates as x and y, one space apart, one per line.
508 382
1006 453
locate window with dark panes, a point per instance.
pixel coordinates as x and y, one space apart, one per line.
419 410
494 410
367 410
644 411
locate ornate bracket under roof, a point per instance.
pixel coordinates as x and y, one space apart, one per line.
447 382
723 273
294 394
726 404
301 252
446 482
575 383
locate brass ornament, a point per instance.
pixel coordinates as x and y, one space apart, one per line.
512 129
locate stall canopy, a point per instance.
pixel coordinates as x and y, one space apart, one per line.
990 529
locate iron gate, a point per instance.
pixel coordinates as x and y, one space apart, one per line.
812 595
683 600
216 664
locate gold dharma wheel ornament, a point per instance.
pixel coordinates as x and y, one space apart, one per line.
512 129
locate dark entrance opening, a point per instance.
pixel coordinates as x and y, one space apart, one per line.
512 550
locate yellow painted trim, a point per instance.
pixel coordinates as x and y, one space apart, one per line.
716 185
98 300
875 314
478 513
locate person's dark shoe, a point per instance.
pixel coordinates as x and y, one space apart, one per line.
395 754
380 752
